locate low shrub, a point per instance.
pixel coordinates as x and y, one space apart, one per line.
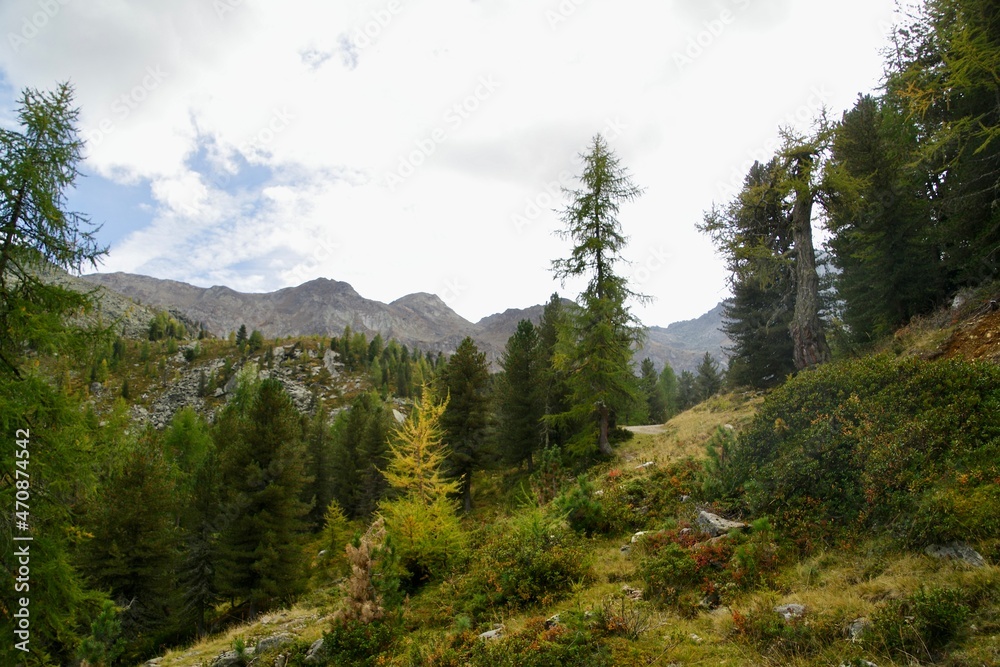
583 511
532 558
919 624
356 643
540 646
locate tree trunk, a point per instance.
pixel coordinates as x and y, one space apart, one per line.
809 346
603 443
467 492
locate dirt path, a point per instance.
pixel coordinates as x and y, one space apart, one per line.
649 430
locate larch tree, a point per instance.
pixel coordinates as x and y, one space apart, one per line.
599 363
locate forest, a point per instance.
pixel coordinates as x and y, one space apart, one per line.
419 501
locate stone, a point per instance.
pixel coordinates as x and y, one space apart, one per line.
645 466
312 655
858 663
231 658
638 536
959 551
155 662
857 628
274 641
495 633
552 621
626 548
790 611
632 593
715 525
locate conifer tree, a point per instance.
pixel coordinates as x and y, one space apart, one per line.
465 381
263 466
599 361
421 518
669 388
708 381
656 401
520 396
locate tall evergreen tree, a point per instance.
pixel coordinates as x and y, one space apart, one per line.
599 362
38 163
687 391
555 392
656 401
465 380
669 389
520 397
708 381
263 465
884 242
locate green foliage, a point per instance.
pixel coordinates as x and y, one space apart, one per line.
708 381
520 396
105 644
878 441
539 646
919 624
529 559
652 389
359 452
255 342
770 633
350 643
584 512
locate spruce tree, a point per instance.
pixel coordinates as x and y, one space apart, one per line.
465 381
263 466
656 401
708 381
599 361
520 396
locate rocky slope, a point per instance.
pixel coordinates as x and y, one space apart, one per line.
325 307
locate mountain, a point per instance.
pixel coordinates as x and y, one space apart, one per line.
421 320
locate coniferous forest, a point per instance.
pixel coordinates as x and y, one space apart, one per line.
829 494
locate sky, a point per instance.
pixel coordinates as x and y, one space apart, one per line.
404 146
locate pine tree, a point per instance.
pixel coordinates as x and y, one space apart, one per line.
241 337
555 392
465 381
708 381
656 401
687 392
263 464
520 397
599 362
669 388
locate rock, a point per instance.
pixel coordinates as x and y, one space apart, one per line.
646 465
398 416
790 611
715 525
312 655
274 641
637 536
495 633
858 662
230 658
695 638
857 628
626 548
956 551
684 499
632 593
95 388
552 621
155 662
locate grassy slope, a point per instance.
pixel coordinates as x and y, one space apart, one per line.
836 585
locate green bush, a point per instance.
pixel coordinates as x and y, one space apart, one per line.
872 442
667 571
539 646
919 624
584 513
352 643
529 559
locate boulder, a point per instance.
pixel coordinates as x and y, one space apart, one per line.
231 658
715 525
632 593
312 655
495 633
857 628
959 551
790 611
274 641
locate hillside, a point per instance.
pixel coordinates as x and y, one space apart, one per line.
654 580
323 307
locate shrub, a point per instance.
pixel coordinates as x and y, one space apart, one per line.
358 643
530 559
584 513
872 442
539 646
919 624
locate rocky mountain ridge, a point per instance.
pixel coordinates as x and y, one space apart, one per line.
324 307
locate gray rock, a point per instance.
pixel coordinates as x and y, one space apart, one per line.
857 628
274 641
230 658
959 551
632 593
495 633
312 655
790 611
638 536
552 621
858 663
715 525
645 466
